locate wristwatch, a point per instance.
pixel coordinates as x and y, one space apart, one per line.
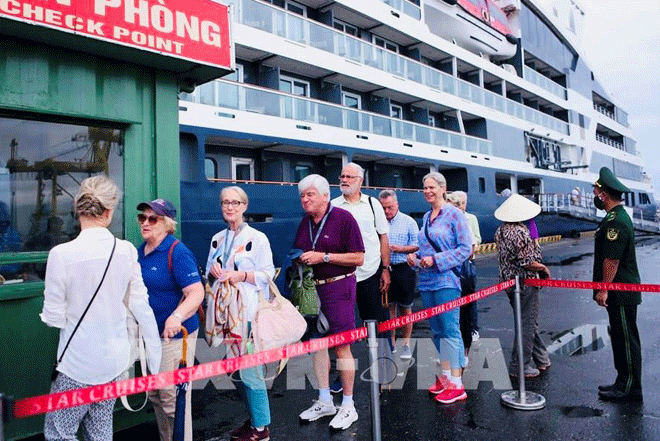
387 267
326 258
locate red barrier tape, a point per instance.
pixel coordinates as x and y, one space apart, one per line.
593 285
436 310
51 402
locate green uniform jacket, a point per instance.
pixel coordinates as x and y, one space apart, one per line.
615 239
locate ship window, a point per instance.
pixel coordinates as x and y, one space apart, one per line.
378 41
294 86
290 6
346 28
351 100
41 167
482 185
210 168
242 169
396 111
302 170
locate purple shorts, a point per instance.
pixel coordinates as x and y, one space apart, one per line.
338 303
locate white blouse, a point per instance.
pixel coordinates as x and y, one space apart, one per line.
100 349
250 251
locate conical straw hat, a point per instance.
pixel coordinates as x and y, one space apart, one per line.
517 209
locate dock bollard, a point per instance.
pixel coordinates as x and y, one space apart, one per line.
372 344
521 399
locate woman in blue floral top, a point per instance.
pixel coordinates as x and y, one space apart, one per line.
445 242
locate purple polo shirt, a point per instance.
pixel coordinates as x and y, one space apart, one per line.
341 234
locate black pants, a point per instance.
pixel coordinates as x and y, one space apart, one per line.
369 300
626 347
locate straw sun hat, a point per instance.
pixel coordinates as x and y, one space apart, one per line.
517 209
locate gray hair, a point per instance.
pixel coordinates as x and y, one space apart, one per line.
454 198
317 181
437 177
96 195
388 194
242 195
461 194
358 167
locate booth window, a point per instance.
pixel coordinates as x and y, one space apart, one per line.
41 167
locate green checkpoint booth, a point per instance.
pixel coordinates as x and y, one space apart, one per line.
86 87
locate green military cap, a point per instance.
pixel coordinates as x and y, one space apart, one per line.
609 183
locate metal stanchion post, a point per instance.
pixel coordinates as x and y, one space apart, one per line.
4 414
521 399
372 344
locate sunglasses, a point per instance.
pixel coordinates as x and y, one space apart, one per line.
143 217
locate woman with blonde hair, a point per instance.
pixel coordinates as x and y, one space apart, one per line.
445 242
242 256
87 281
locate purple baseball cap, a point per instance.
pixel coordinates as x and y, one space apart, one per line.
161 207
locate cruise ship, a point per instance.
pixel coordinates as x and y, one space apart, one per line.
496 95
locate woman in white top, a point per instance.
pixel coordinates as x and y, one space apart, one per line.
99 350
242 255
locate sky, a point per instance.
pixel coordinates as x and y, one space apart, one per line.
621 42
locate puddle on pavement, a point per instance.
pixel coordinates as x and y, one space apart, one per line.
569 260
581 412
580 340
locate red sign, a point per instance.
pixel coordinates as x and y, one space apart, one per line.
194 30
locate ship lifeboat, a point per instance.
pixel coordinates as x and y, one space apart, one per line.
479 26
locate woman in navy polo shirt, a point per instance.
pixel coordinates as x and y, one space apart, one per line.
175 293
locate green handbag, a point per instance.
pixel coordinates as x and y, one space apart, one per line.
303 291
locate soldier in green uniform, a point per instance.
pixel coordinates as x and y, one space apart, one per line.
615 261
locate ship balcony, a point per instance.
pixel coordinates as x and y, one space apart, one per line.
236 96
296 28
545 83
609 141
604 110
408 8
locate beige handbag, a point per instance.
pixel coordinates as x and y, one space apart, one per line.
277 322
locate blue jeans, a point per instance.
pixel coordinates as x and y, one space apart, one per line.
252 388
445 327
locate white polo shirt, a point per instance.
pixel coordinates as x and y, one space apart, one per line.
371 223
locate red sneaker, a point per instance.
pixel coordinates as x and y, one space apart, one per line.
451 394
440 385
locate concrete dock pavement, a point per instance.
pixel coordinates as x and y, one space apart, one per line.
573 411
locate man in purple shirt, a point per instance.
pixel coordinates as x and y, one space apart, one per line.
332 244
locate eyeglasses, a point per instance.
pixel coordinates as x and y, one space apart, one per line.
349 177
143 217
234 204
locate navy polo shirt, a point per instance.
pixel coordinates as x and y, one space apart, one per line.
165 287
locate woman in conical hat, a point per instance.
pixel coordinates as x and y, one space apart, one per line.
519 255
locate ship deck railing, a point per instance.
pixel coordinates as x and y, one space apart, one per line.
240 96
582 207
305 31
292 184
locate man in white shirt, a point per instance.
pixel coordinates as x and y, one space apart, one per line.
476 234
373 277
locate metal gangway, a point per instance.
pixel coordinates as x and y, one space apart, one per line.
581 206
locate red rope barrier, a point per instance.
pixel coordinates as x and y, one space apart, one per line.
573 284
62 400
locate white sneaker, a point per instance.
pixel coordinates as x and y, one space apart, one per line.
318 410
346 415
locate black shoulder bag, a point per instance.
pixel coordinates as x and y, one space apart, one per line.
112 253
